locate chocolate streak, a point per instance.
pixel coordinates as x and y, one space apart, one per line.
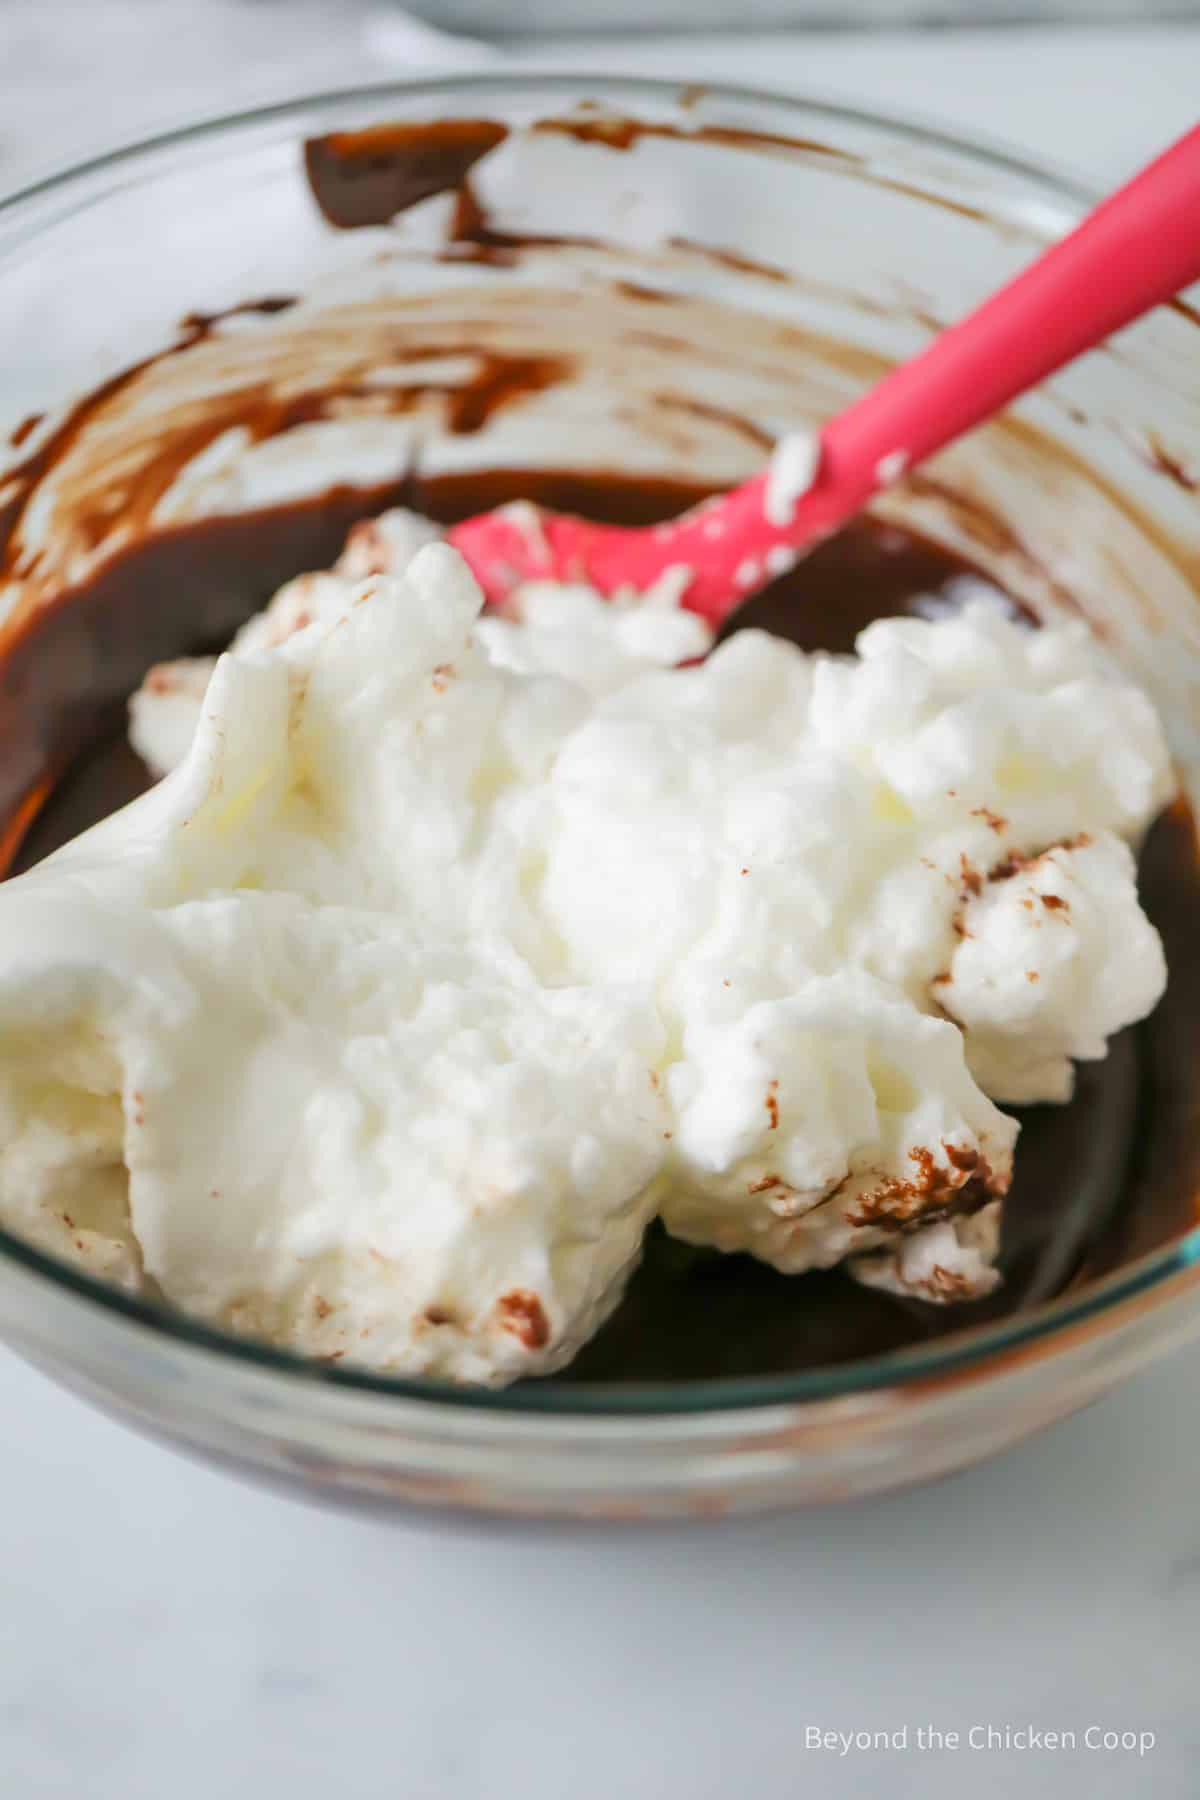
366 177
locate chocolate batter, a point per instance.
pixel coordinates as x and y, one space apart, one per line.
1109 1176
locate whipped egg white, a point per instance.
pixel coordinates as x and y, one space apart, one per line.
453 949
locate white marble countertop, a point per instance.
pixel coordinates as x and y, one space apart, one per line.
168 1634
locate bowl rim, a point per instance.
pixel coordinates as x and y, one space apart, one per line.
1068 183
955 1354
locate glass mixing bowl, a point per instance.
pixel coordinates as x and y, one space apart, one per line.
766 256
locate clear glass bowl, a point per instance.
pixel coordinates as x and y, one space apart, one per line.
841 247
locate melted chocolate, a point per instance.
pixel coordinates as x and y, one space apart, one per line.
594 123
1167 463
366 177
201 323
472 236
731 259
1090 1190
25 429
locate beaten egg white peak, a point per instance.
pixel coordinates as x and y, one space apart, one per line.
453 950
269 1041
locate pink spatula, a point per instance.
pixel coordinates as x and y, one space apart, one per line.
1138 248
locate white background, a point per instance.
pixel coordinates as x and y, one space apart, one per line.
168 1634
